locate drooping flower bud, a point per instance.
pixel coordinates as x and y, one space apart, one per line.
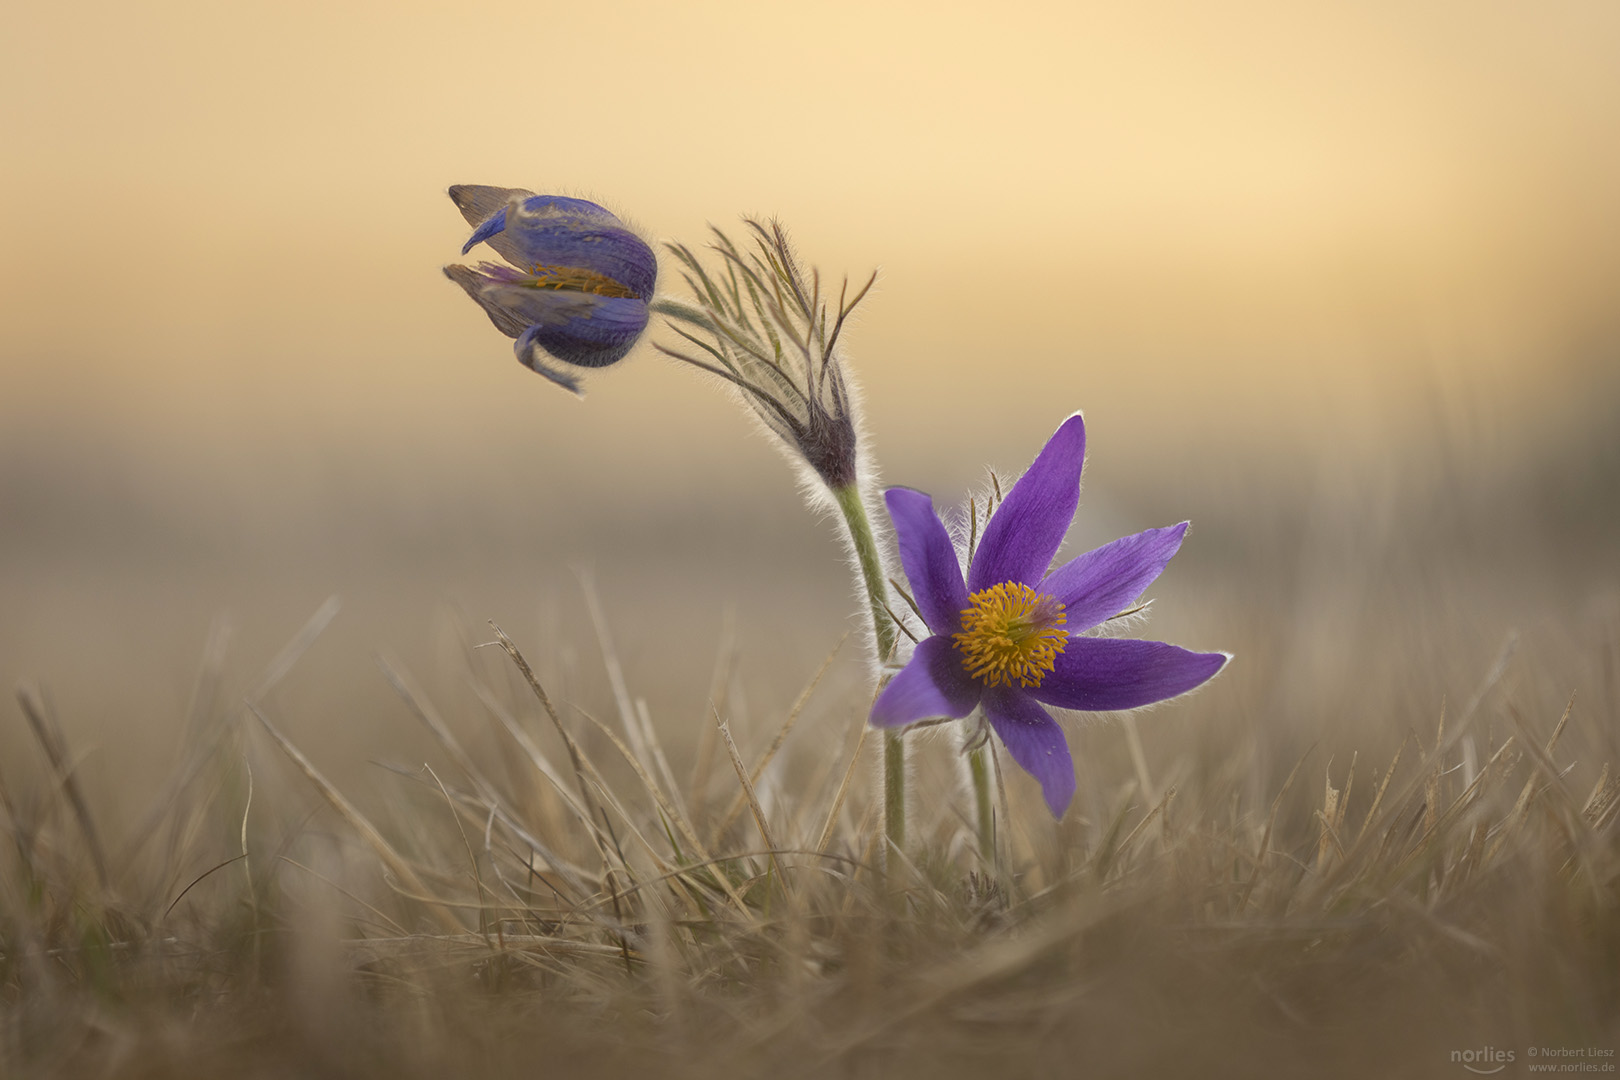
576 292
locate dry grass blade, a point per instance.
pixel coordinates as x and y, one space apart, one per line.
49 734
13 823
295 649
1461 802
1378 799
615 671
1158 811
997 960
1133 742
1604 801
1593 803
536 756
396 863
1426 780
574 756
1108 848
511 942
486 790
753 799
607 800
381 916
1460 936
1528 791
698 853
1431 783
725 667
1265 838
647 782
898 622
1498 668
672 790
545 701
843 790
201 744
1437 824
1564 810
1330 816
1330 837
472 858
1544 776
1344 796
200 878
781 737
1552 776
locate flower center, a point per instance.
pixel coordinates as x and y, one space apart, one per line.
1010 631
575 279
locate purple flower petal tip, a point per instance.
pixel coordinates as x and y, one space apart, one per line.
1035 742
490 226
1102 674
1098 585
1028 527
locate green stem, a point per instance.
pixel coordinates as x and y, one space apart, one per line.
979 769
853 507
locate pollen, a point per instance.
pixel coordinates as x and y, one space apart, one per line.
576 279
1011 632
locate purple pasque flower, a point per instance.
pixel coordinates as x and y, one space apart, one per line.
1009 637
577 289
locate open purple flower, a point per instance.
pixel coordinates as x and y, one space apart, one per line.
577 289
1008 638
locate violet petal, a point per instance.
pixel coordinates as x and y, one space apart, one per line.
487 229
1099 584
931 685
1035 741
929 559
1122 673
558 232
580 328
550 230
1028 527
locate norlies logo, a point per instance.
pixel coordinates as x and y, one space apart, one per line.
1484 1061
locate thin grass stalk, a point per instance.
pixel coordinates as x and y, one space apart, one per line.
979 771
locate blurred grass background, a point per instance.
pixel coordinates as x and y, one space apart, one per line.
1335 283
1306 271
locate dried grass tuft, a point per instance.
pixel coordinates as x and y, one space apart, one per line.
499 911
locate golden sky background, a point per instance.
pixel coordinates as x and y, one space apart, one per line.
1254 223
1328 244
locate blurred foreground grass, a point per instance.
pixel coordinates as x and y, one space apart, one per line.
1386 834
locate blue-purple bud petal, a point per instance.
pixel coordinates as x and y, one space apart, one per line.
590 331
495 223
555 231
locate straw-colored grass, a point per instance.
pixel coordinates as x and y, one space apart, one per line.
559 894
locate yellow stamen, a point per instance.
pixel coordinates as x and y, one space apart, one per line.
1010 631
575 279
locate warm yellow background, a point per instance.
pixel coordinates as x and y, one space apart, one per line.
1251 239
222 222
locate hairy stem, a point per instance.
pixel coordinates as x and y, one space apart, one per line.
853 506
979 770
